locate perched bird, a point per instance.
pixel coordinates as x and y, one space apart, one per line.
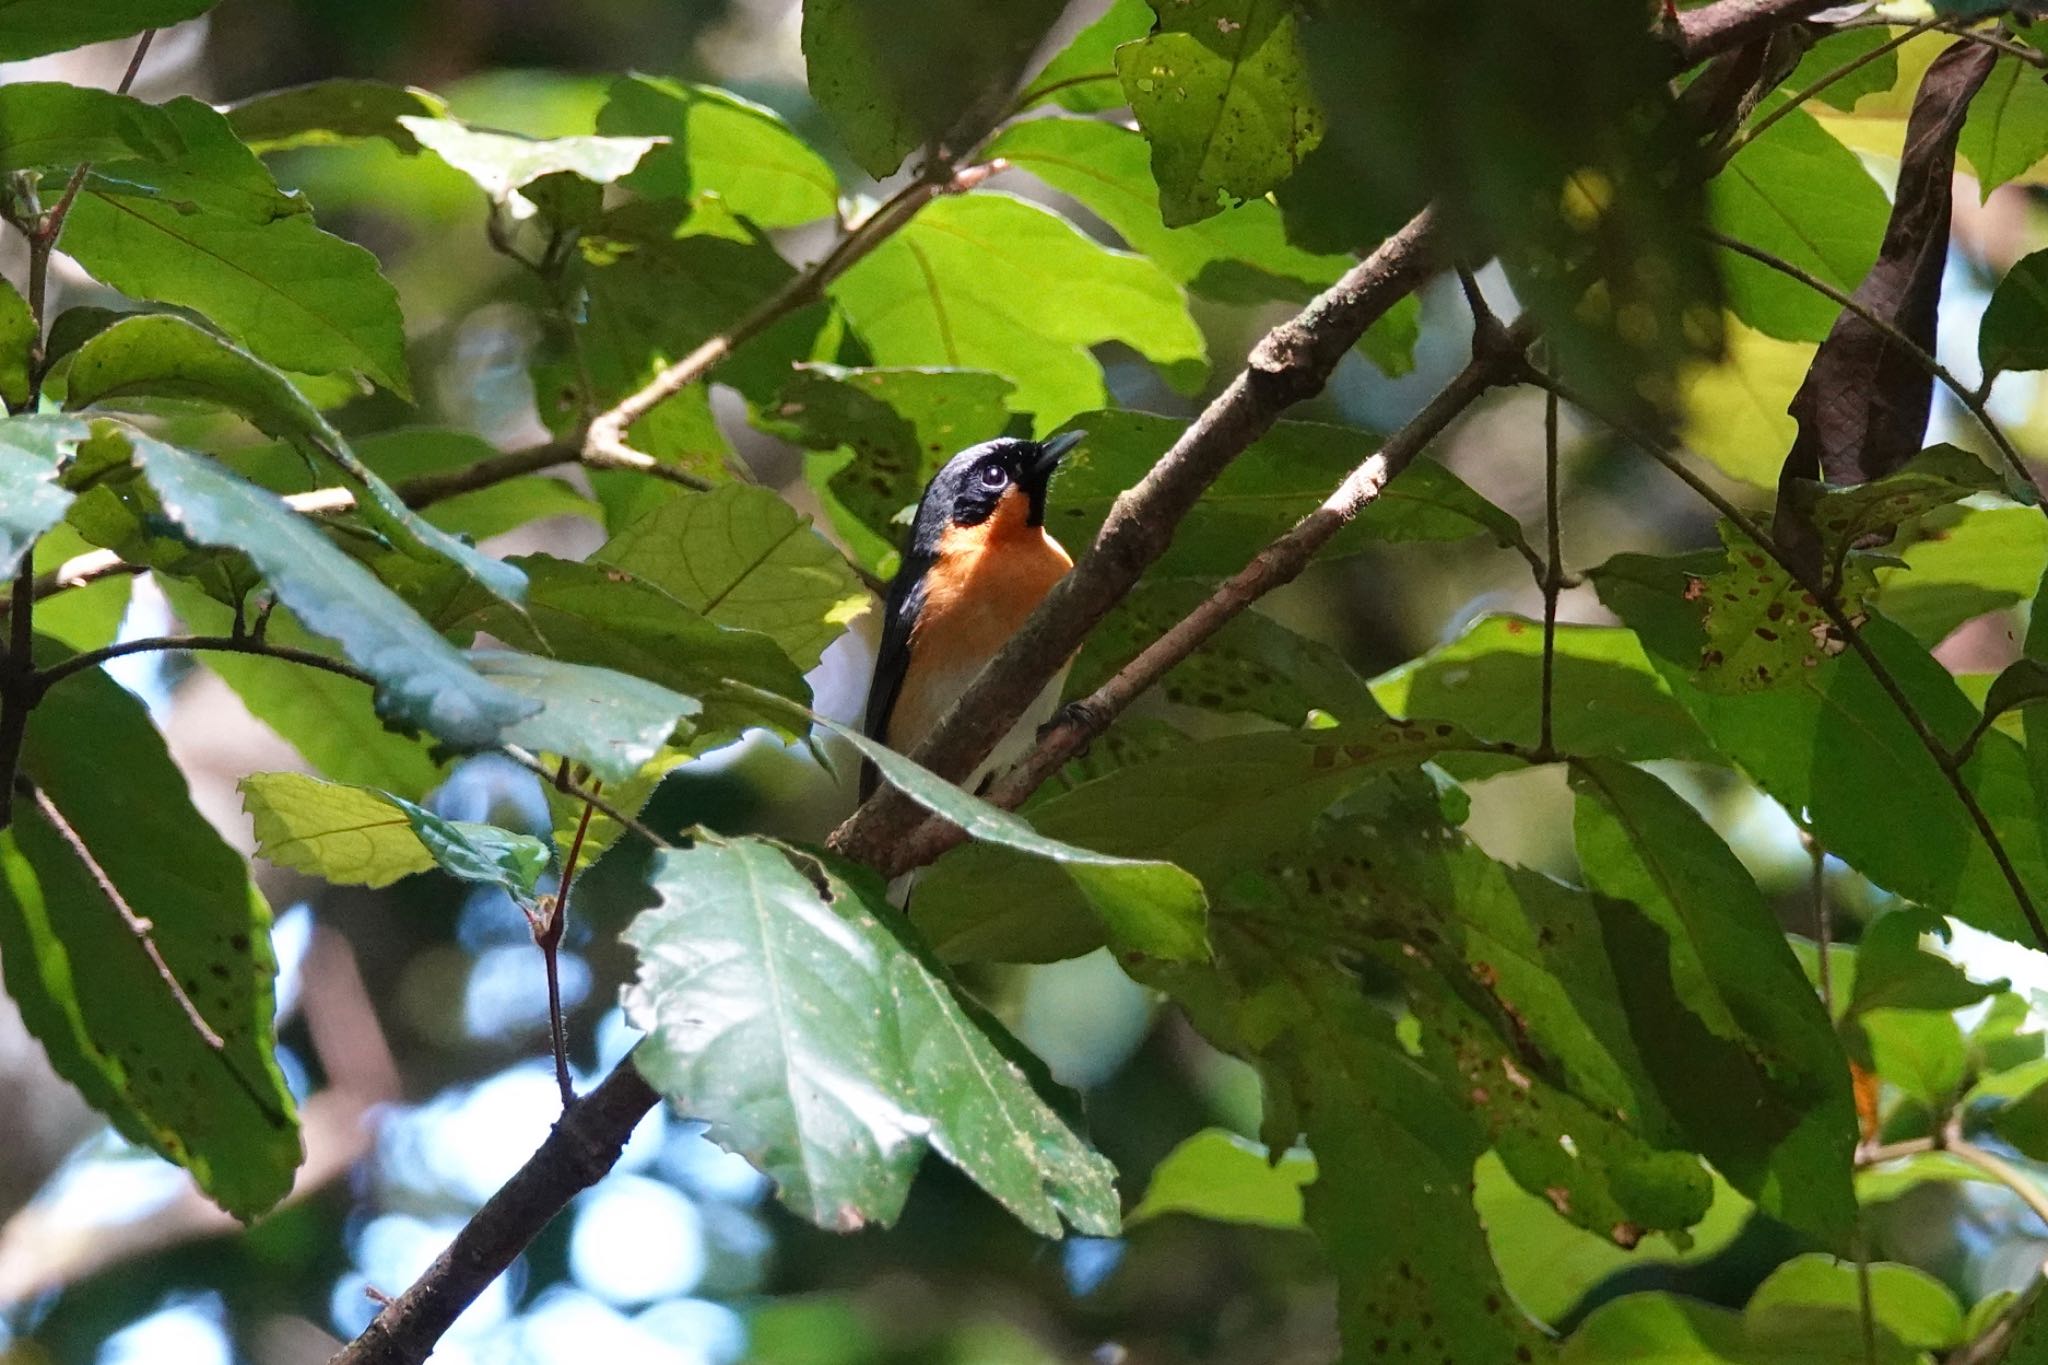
978 561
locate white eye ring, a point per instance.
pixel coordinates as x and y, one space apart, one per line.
994 476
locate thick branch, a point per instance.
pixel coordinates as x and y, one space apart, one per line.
584 1146
1290 364
1713 29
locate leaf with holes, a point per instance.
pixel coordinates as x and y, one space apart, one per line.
147 978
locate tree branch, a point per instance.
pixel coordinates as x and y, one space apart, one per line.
1291 363
227 644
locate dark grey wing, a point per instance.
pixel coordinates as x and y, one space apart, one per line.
892 660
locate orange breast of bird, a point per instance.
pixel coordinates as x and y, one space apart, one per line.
985 581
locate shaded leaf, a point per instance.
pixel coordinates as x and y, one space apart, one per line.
479 853
1221 90
1839 49
52 125
1862 411
1082 75
2007 132
421 681
716 143
891 80
744 558
782 1009
946 290
332 113
165 355
84 857
613 722
2014 333
209 230
30 28
17 345
1220 1176
1893 971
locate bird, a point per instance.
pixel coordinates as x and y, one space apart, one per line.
977 562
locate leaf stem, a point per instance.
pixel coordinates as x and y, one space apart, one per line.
1038 92
1971 399
225 644
1943 758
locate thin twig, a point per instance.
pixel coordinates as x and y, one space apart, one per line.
224 644
1799 97
1943 758
1970 398
589 798
548 935
1552 582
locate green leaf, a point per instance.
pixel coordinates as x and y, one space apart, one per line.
891 80
30 28
2024 1122
1609 700
946 290
52 125
745 559
421 681
1735 410
1802 196
1868 514
1148 909
478 853
17 345
85 859
611 721
502 164
1220 1176
1781 1123
165 355
1279 478
826 1051
1893 971
1211 808
346 835
1763 628
1837 50
332 113
331 720
1238 255
1082 75
607 618
1967 560
1920 1051
33 451
208 230
1807 1313
1222 92
901 425
2007 131
1876 798
721 145
2022 683
1253 665
2011 337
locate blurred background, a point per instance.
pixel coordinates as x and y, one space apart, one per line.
413 1020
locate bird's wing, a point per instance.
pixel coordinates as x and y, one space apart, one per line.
892 661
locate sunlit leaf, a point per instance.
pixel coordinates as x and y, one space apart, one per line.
33 450
719 144
1219 1176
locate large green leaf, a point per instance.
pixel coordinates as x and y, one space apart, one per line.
1879 72
1149 910
1211 808
347 835
782 1008
210 231
50 125
744 558
331 113
30 28
612 722
1968 560
2014 333
1815 1291
126 922
17 344
1666 1329
2007 132
892 79
421 681
1082 75
987 281
1236 254
723 146
503 164
1802 196
33 451
1221 89
1220 1176
162 354
1607 698
1831 740
1780 1122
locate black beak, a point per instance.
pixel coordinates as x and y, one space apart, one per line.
1038 472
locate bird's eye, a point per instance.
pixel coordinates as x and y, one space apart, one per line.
994 476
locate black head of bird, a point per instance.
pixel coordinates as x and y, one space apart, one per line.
977 563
